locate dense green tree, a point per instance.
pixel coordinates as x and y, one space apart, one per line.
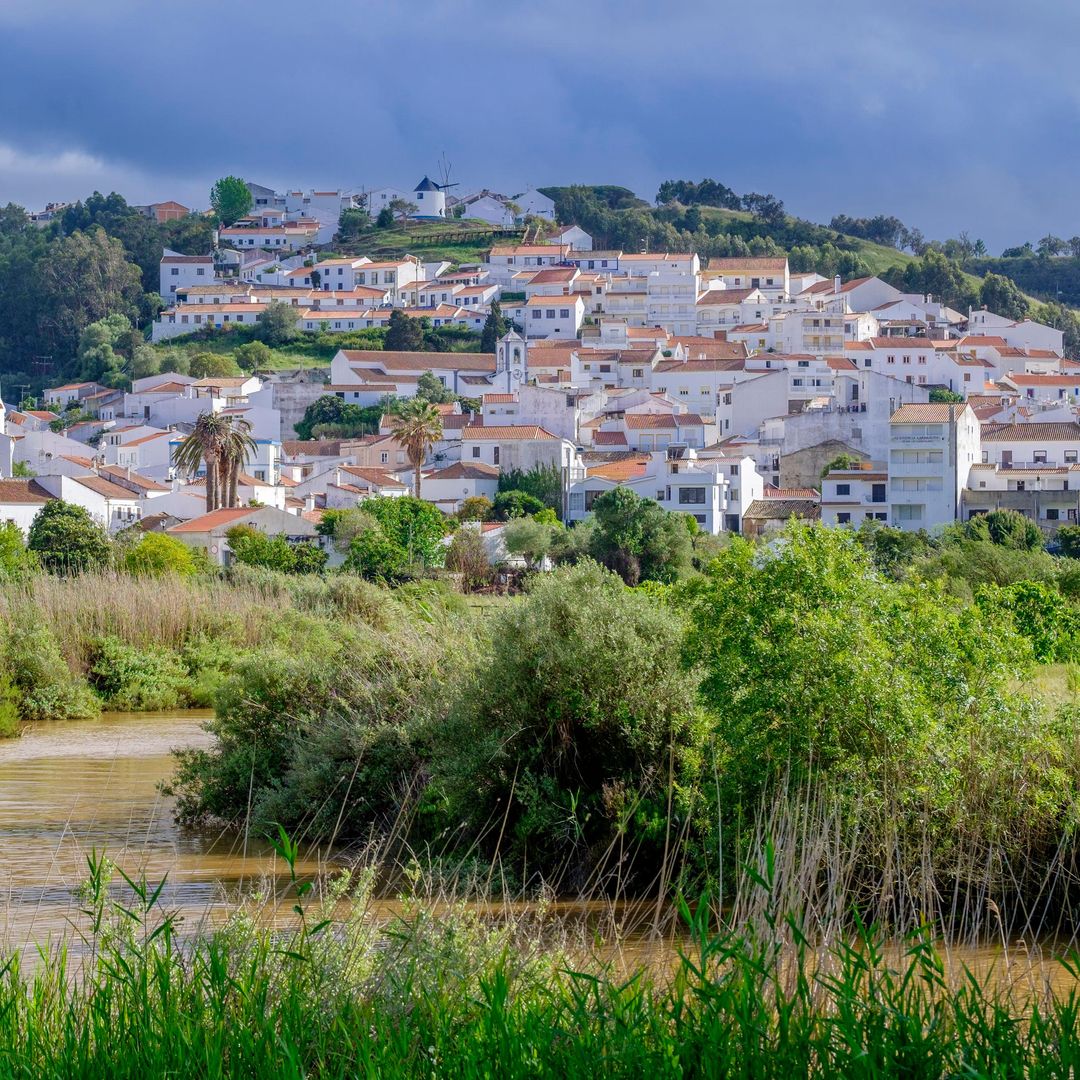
277 324
495 327
415 526
940 396
1003 297
1068 539
351 224
529 538
1008 528
16 562
85 277
543 482
475 508
67 540
403 334
385 219
206 365
430 388
230 199
253 356
99 355
637 538
331 410
580 718
254 548
374 556
510 505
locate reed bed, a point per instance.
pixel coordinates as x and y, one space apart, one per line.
449 989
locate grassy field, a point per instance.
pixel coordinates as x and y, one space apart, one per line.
431 240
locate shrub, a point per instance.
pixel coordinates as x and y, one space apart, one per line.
9 707
468 557
48 690
372 555
515 504
579 713
67 539
16 562
142 679
1009 528
155 554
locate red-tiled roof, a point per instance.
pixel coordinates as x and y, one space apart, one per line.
214 520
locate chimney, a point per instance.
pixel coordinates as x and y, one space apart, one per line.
836 283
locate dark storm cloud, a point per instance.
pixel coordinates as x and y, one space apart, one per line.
951 115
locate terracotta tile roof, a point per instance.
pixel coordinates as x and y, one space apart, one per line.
103 487
656 421
1042 380
782 509
506 432
499 399
76 459
609 438
771 492
117 472
214 520
927 413
555 275
374 477
42 414
618 471
466 470
422 361
22 491
148 438
714 297
527 249
1038 432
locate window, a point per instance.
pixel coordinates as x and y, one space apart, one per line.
1052 514
605 367
1070 457
638 373
843 519
843 489
384 457
175 271
537 314
909 513
495 455
577 501
550 312
475 452
564 313
691 496
660 495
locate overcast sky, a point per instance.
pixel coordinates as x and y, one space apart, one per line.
952 115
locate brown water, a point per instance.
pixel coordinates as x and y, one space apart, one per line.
69 789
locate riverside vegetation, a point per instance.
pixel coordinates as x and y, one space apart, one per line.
835 731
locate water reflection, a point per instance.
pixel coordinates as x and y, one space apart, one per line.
69 789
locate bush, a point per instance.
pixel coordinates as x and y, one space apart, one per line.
155 554
1009 528
468 557
67 539
515 504
133 680
580 712
48 690
16 562
9 707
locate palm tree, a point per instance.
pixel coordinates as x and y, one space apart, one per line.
237 448
419 428
223 445
204 446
